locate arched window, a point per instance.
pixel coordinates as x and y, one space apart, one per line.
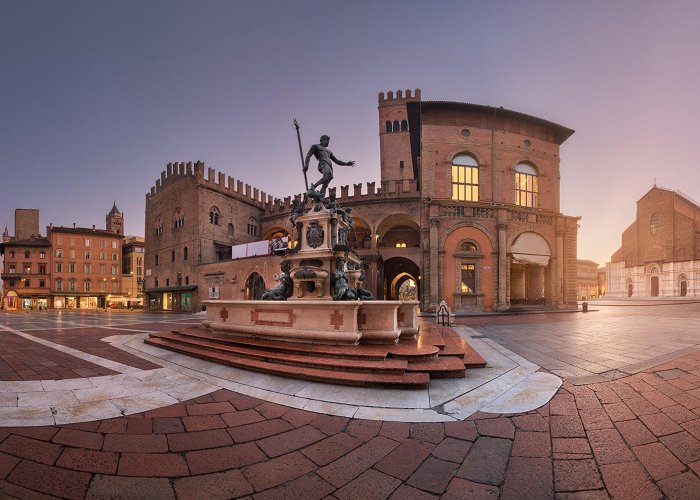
400 244
178 219
397 127
526 185
229 232
654 223
215 216
465 178
468 247
468 266
156 260
404 126
388 126
179 279
87 285
184 254
172 256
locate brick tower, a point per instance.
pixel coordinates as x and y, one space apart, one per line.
115 220
394 134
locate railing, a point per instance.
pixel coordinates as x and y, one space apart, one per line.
487 212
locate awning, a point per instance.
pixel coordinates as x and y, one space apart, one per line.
531 248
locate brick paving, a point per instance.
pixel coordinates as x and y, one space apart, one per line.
634 437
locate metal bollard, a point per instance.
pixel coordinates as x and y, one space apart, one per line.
584 307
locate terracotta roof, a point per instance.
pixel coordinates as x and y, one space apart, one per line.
83 230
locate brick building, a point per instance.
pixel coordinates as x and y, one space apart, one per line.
587 280
660 252
71 267
133 252
26 264
467 210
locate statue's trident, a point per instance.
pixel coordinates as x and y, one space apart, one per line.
301 155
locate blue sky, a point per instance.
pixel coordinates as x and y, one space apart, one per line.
97 97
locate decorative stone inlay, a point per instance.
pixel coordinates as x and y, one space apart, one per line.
262 317
336 319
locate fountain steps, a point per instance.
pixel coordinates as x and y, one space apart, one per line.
440 353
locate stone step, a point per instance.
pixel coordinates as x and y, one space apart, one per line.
362 351
418 380
442 367
397 366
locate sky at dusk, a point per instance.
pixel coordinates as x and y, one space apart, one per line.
96 97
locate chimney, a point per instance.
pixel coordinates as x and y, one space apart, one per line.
74 225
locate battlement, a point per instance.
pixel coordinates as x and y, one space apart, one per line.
216 181
404 188
400 96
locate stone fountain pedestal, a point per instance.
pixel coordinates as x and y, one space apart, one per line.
311 314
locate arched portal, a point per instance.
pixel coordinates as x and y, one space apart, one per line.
398 270
398 229
254 287
529 270
360 234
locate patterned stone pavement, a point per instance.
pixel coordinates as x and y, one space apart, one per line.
637 436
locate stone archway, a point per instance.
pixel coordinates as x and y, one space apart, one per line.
397 270
254 286
529 269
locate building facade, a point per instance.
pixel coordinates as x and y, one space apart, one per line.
660 252
69 268
26 264
467 210
587 280
133 254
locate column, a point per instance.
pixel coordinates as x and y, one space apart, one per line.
559 283
502 300
434 264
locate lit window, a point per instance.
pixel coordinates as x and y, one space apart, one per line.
13 269
468 278
465 178
400 244
42 255
526 185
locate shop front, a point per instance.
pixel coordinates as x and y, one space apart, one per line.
175 298
11 301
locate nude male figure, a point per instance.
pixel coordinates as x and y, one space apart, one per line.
325 164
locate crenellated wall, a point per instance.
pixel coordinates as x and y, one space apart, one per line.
405 188
216 181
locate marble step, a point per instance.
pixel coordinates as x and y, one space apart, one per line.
397 366
407 380
401 350
443 367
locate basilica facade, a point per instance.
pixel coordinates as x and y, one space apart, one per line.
467 210
660 252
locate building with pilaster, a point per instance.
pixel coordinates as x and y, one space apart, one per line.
467 210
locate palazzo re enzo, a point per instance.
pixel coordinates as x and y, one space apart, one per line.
467 210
